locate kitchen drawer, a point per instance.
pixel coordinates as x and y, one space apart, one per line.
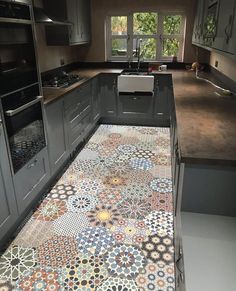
133 105
31 179
77 125
76 113
78 96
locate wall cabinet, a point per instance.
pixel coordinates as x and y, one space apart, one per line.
8 208
75 12
219 20
226 27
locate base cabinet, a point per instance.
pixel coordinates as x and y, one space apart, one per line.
57 147
31 179
8 207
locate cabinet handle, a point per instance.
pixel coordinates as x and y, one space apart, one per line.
33 164
0 127
228 29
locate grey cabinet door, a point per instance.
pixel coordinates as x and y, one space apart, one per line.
96 103
163 91
56 136
31 179
108 85
135 106
225 27
197 37
77 107
77 12
8 208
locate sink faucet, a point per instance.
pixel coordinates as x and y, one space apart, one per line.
138 51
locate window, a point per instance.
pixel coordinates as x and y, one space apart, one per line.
160 35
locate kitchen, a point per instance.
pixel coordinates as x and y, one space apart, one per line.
117 145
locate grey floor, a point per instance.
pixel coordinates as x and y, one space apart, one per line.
209 244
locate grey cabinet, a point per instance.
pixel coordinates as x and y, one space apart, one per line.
8 208
226 27
75 12
31 179
135 106
163 98
56 135
108 87
96 99
198 29
77 106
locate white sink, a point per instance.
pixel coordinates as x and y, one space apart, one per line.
135 83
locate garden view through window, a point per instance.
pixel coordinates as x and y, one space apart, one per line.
161 35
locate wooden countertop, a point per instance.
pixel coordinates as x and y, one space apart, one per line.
206 121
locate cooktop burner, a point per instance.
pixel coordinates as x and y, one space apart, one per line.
62 81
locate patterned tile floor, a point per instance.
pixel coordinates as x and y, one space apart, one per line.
107 225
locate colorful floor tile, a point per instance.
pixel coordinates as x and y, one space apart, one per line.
107 225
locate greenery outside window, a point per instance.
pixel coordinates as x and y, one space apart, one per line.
161 35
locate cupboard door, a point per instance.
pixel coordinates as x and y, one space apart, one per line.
72 12
225 37
8 208
109 95
56 134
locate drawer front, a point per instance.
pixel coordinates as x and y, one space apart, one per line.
77 125
135 105
78 96
30 180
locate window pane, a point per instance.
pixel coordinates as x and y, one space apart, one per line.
147 48
119 47
170 47
119 25
172 24
145 23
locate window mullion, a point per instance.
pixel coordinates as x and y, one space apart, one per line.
130 36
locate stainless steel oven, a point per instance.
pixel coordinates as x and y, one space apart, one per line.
24 125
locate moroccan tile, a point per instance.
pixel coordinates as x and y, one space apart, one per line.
130 231
118 284
125 261
81 203
56 251
85 272
95 241
41 279
104 216
34 233
161 172
114 181
15 262
161 185
89 186
110 196
137 190
158 248
62 192
141 164
160 222
50 210
70 224
126 148
162 202
117 192
161 160
134 208
156 277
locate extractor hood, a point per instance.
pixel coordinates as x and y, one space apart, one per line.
41 16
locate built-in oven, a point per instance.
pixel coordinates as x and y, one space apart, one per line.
18 67
24 125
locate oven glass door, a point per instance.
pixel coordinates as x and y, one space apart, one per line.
25 130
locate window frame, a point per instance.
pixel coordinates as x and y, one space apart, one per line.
159 36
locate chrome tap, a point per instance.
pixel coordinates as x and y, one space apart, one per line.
138 51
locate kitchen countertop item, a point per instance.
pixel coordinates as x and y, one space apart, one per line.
206 120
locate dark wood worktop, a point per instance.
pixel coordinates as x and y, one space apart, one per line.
206 121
